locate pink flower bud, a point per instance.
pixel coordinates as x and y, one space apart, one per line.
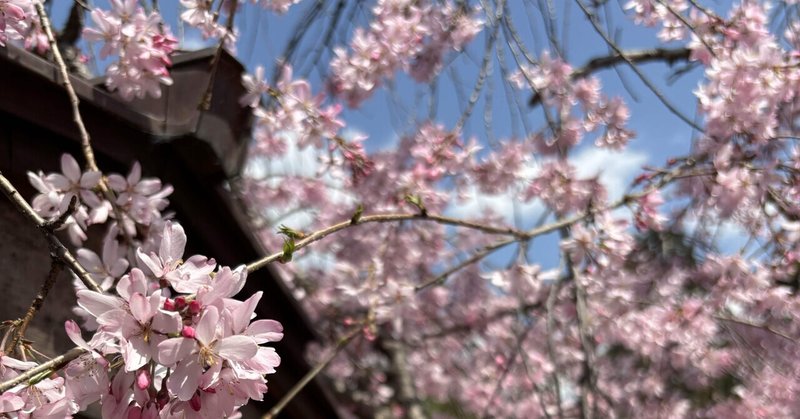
180 302
169 305
187 332
194 307
142 379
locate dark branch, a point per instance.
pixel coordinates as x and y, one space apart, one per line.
669 56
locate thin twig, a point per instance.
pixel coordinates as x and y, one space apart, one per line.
56 266
340 345
86 142
86 145
593 20
385 218
757 326
56 246
405 391
550 324
205 102
517 235
51 365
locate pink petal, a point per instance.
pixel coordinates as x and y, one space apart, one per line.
97 304
265 361
132 283
140 308
74 334
243 312
70 168
264 331
136 353
152 262
173 350
117 182
183 380
167 322
14 11
16 363
119 322
207 326
10 402
173 242
237 348
89 260
90 179
136 174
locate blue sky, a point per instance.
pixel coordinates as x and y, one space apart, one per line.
384 117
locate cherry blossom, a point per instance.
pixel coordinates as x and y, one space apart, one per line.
450 304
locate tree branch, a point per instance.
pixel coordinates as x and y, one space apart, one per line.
340 345
51 365
671 107
56 246
666 55
517 235
21 325
386 218
86 143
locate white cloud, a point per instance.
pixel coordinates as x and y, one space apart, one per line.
616 170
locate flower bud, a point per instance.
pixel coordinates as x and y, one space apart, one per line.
187 332
194 307
142 379
169 305
180 302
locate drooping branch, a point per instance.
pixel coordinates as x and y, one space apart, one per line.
295 390
20 326
385 218
205 103
57 248
86 145
593 19
86 142
517 235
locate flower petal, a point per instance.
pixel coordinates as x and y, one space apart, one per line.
97 304
173 350
237 348
184 378
173 242
264 331
207 326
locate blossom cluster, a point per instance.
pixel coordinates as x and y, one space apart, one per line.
294 114
671 321
205 16
404 34
168 339
142 43
579 105
646 311
15 18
